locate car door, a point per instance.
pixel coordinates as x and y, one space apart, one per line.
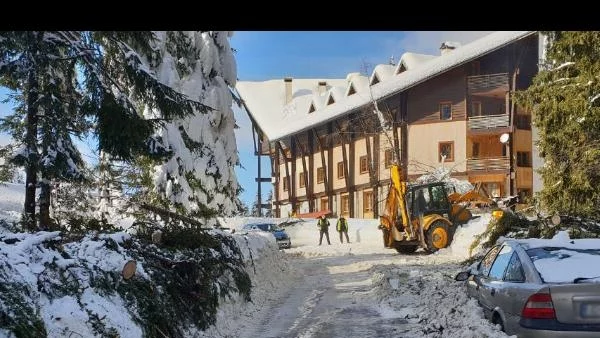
482 273
514 293
492 289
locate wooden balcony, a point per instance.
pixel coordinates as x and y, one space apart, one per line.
490 164
492 85
489 123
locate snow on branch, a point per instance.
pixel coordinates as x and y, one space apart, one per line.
566 64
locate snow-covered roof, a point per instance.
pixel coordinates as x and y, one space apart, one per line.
265 100
413 60
383 72
359 82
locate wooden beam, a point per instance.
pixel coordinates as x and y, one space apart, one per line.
345 162
287 171
331 165
304 169
275 167
294 196
311 171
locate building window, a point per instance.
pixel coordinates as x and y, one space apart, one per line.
446 111
368 201
364 165
446 149
375 80
320 175
475 68
331 100
324 203
523 121
523 159
475 152
476 108
351 90
401 69
312 108
388 158
340 170
285 184
301 180
345 204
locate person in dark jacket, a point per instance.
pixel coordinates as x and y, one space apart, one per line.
342 228
323 225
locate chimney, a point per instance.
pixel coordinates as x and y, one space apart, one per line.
288 89
322 87
448 46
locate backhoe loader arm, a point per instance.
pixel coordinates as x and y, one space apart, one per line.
395 201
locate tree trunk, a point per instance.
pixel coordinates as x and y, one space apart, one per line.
44 223
32 156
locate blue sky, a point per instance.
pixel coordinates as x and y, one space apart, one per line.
274 55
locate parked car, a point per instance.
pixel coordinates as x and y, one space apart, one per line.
540 288
281 237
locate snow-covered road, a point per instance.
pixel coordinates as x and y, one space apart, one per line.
364 290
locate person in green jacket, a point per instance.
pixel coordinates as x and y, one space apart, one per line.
342 228
323 225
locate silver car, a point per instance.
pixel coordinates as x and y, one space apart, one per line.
512 291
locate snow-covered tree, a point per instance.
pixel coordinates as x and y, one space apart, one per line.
564 99
43 69
198 178
269 211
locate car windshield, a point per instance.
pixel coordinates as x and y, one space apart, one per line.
260 226
565 265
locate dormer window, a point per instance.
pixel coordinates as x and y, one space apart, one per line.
351 91
331 100
375 80
312 108
401 69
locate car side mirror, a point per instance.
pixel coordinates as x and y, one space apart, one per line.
462 276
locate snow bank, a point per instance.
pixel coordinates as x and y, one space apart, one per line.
431 302
59 282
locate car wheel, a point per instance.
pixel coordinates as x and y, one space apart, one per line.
497 320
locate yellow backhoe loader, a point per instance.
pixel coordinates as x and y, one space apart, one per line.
424 215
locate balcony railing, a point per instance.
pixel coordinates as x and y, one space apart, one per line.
487 83
488 121
488 164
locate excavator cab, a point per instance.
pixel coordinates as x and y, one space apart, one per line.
427 199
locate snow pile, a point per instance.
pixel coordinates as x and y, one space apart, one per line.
431 302
442 174
563 259
12 198
57 286
464 237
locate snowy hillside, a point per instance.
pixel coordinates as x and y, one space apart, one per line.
12 197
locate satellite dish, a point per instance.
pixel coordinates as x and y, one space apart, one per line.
555 220
504 138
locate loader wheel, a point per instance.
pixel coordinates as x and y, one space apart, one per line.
437 236
405 249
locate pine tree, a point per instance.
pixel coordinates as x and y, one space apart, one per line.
564 99
269 201
254 211
52 106
198 178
